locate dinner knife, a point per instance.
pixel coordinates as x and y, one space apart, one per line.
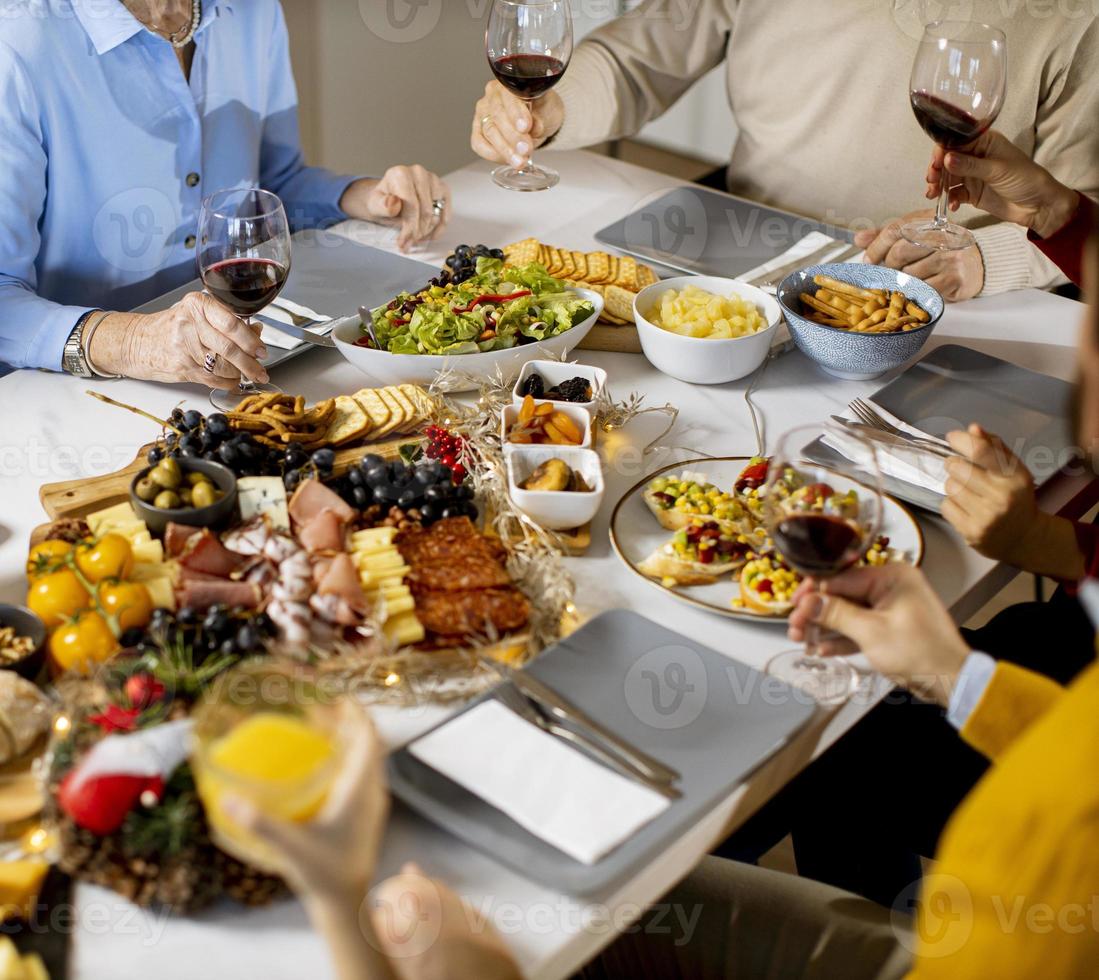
871 434
309 336
775 276
558 707
519 703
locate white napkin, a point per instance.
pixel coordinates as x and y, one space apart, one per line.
275 338
807 246
548 788
914 466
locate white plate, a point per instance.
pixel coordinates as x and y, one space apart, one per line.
635 534
422 369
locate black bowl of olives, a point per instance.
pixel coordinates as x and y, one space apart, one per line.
184 490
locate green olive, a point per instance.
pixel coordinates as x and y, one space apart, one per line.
196 477
167 474
167 500
146 490
204 494
185 496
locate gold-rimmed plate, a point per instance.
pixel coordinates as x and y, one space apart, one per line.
635 534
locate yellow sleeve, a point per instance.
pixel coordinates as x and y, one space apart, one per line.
1014 699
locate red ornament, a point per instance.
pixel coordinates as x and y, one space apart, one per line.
100 803
143 690
116 719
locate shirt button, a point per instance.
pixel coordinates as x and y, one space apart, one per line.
193 180
189 241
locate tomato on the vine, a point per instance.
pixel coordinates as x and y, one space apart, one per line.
57 596
47 556
130 602
109 557
83 643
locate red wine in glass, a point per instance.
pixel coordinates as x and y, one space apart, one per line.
949 126
817 544
529 76
246 286
956 91
529 46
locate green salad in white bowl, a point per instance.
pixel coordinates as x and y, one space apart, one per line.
504 315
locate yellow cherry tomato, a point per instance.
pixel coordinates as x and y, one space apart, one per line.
57 596
83 643
47 556
130 602
109 557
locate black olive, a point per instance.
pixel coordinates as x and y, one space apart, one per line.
155 455
361 497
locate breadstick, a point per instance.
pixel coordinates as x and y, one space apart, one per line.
821 307
837 286
914 309
872 321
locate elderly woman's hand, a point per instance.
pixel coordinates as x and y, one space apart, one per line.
404 197
172 346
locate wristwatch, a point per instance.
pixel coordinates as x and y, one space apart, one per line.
74 356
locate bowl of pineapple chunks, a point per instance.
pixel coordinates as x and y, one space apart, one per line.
705 329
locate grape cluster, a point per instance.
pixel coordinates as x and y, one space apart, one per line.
426 488
447 448
573 390
220 629
462 265
212 438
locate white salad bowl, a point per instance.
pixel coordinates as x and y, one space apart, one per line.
698 360
552 509
422 369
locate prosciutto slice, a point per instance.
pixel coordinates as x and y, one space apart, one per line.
205 553
325 532
311 498
203 591
342 579
176 537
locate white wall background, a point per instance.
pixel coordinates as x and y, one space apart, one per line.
395 81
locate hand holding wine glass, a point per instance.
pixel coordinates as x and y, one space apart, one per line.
821 522
957 90
244 261
529 45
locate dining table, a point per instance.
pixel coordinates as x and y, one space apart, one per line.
52 431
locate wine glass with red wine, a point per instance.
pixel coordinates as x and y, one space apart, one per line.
821 522
244 260
957 91
529 46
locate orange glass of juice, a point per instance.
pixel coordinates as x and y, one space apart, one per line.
269 733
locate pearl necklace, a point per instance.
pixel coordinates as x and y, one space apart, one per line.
186 34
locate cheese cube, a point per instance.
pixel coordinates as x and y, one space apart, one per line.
148 552
11 963
34 968
118 514
20 882
404 629
162 593
373 538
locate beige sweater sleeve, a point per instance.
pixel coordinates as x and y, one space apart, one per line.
633 69
1067 144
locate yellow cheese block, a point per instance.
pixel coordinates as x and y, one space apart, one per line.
373 537
390 558
11 963
34 968
398 605
404 629
20 882
371 579
162 593
144 571
118 514
148 552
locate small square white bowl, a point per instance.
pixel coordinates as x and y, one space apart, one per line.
554 372
556 510
581 416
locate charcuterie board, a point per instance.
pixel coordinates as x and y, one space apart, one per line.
79 498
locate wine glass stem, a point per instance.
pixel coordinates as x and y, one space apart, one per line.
941 220
246 387
812 641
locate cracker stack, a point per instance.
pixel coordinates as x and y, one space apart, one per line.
369 415
617 278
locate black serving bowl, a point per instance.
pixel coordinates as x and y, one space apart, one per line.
215 516
25 623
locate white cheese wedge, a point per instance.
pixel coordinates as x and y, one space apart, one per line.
264 495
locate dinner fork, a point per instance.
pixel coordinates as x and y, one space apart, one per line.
296 318
513 699
868 415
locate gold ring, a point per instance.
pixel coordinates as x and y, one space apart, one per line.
485 120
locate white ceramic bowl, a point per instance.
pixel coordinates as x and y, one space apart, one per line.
556 510
581 416
694 359
554 372
422 369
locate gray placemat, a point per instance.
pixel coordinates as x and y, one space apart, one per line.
954 386
706 232
712 718
333 276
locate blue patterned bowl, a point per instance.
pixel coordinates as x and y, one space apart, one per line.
845 353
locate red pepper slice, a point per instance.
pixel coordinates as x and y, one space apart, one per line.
765 587
491 298
753 477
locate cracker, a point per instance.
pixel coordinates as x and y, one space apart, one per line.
580 261
409 415
646 276
523 253
377 411
627 273
599 267
619 303
421 401
396 414
349 422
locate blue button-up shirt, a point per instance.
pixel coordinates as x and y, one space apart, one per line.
106 152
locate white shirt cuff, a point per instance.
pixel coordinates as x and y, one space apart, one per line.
973 678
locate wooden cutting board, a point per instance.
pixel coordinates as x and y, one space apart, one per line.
619 340
79 498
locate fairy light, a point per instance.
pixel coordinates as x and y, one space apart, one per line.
392 680
62 724
37 840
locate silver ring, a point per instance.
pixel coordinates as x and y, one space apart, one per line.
485 120
210 362
438 206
